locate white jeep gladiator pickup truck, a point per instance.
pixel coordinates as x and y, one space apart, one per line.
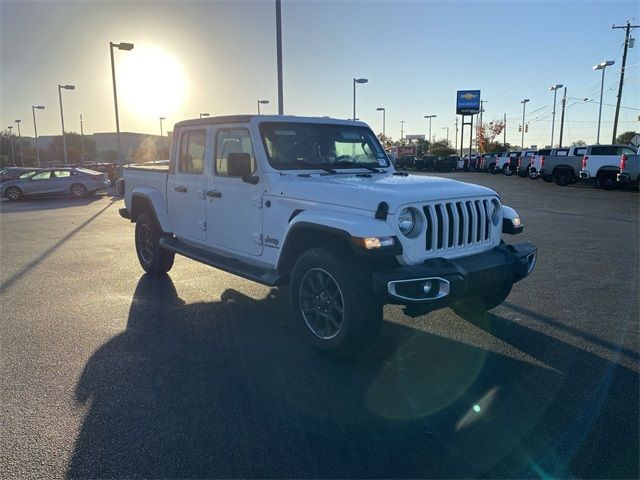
314 203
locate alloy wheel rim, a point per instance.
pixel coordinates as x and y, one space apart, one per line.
145 243
77 190
321 303
12 194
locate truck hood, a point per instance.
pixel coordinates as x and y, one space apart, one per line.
366 192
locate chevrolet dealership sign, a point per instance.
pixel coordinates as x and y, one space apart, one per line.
468 102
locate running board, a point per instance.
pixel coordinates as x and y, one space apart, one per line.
264 276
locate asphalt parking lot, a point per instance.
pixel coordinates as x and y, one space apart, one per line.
108 373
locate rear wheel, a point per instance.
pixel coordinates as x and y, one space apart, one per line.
562 177
78 190
332 302
13 193
606 180
482 303
154 259
507 170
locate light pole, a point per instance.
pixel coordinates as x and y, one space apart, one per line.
524 105
601 66
402 122
279 56
384 114
161 119
553 88
81 139
119 46
64 139
20 142
447 129
13 152
204 115
263 102
356 80
429 117
35 128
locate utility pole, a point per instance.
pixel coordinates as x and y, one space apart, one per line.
628 29
505 130
564 104
279 56
81 140
401 130
480 128
456 133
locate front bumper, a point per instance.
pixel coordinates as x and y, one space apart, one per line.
451 281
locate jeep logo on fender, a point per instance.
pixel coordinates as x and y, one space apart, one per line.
271 241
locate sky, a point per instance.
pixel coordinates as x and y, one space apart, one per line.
220 58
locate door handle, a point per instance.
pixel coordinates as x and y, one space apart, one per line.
214 194
181 189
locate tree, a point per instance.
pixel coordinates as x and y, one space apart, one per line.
10 156
442 149
625 138
578 143
55 152
497 147
487 133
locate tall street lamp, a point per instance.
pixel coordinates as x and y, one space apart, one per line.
204 115
384 114
261 102
402 122
161 119
20 142
447 129
35 128
524 105
554 88
601 66
429 117
13 152
119 46
356 80
64 139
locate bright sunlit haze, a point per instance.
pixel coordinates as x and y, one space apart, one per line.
220 58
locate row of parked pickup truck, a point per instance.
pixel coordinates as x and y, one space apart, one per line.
606 165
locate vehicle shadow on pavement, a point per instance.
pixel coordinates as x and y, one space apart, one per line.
52 203
226 389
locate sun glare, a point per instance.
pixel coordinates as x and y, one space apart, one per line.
151 82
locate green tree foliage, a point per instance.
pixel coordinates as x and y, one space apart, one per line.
442 149
497 147
55 153
625 138
579 143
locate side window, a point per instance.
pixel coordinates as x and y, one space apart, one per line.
192 147
626 151
42 175
61 173
579 152
234 142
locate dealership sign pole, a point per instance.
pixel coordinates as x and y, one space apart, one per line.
467 104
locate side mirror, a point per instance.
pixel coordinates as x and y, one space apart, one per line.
239 165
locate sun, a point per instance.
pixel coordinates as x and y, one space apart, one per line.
151 82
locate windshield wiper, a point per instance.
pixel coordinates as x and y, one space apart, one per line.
360 165
309 165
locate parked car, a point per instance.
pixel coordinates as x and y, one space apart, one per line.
601 163
11 173
524 163
408 161
629 171
488 161
447 164
454 160
427 162
535 159
507 163
314 203
77 182
561 166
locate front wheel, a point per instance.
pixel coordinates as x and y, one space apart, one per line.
482 303
13 193
332 302
154 259
78 190
507 170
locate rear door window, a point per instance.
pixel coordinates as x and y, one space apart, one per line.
192 147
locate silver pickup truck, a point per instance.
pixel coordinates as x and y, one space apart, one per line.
562 166
629 171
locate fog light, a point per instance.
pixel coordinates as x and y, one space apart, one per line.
426 288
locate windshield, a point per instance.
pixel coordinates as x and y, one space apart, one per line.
308 145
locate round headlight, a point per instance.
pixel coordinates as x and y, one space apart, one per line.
495 212
406 221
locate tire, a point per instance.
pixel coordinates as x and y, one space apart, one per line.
547 178
154 259
482 304
332 302
492 169
13 193
78 190
606 181
562 178
507 170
